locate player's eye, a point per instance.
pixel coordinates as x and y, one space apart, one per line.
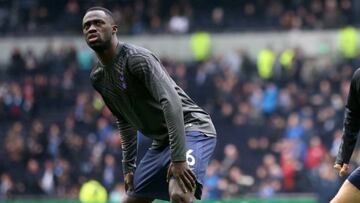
98 23
86 26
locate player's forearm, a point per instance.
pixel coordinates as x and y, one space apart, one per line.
175 122
351 121
350 132
129 146
346 148
129 155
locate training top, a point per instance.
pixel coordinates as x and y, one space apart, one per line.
351 121
143 97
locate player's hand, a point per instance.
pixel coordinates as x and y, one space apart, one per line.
342 170
183 174
128 179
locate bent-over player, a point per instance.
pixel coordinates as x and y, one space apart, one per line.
142 96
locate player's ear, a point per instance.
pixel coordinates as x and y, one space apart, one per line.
114 29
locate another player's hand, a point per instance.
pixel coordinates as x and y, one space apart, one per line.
183 174
342 170
128 179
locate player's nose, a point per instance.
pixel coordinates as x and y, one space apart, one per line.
92 29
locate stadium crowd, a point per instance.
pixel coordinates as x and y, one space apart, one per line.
55 132
39 17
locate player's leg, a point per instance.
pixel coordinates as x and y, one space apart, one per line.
348 193
199 150
130 199
150 176
350 190
177 195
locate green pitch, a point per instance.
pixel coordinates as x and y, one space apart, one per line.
304 200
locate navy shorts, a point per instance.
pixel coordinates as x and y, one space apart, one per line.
150 174
354 178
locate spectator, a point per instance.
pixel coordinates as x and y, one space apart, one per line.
48 181
32 177
315 153
6 186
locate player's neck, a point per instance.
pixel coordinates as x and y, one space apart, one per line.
107 56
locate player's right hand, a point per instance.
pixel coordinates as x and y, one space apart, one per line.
129 184
342 170
183 174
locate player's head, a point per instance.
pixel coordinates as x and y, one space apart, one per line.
99 28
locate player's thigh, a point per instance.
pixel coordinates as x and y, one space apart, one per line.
132 199
177 195
347 193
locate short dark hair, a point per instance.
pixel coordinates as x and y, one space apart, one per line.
106 11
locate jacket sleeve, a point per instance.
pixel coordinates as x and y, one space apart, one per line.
150 72
351 121
129 145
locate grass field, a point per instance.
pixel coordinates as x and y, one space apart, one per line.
303 200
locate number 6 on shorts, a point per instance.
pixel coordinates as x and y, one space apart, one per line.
190 159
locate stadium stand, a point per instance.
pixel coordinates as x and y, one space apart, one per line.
285 109
57 132
39 17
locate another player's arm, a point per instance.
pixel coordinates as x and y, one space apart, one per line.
351 126
129 149
149 70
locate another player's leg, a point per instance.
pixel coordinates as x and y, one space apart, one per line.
177 195
350 190
130 199
348 193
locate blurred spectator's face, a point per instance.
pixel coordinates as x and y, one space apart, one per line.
109 160
212 168
33 166
293 120
315 142
54 129
98 29
102 123
235 172
38 126
269 160
230 151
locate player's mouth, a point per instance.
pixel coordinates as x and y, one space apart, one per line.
93 38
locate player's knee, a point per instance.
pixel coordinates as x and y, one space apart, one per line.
129 199
176 198
179 198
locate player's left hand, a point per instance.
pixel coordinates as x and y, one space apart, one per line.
128 179
182 173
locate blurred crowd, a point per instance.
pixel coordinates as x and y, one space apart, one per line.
41 17
56 133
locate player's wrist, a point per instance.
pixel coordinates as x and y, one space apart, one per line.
179 161
128 173
178 158
126 168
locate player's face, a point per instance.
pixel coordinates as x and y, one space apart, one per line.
98 30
